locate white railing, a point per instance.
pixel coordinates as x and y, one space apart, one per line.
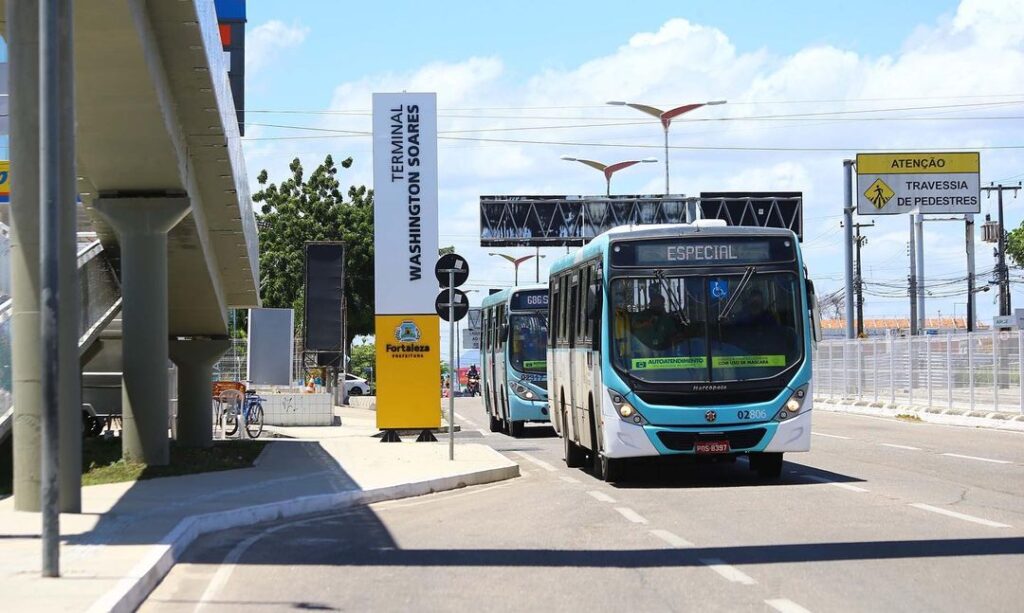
981 371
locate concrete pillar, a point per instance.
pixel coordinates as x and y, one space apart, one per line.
23 51
195 359
142 225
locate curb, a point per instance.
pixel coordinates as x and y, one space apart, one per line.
131 591
1003 421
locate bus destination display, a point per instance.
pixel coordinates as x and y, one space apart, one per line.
535 299
705 252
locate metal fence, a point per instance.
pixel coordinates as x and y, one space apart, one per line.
233 365
981 371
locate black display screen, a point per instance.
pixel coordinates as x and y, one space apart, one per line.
529 300
703 251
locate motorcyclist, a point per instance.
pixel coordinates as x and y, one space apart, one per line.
473 380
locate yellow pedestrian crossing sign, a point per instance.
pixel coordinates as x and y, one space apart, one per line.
879 193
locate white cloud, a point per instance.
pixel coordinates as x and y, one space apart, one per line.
979 51
266 40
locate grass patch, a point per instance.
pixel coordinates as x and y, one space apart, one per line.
102 463
908 417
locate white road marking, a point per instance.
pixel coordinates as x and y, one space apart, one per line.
845 486
568 479
631 515
729 572
672 539
785 605
460 417
970 518
600 496
894 446
845 438
438 497
536 461
972 457
484 432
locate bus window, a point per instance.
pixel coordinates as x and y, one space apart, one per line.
527 336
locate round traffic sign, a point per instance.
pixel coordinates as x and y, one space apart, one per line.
458 299
451 262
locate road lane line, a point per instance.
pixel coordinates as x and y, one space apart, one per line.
672 539
568 479
631 515
948 513
972 457
601 496
484 432
460 417
845 486
845 438
537 461
785 605
894 446
729 572
437 497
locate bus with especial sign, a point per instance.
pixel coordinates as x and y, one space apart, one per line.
684 339
513 353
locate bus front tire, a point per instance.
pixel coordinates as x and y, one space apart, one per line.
767 465
495 423
575 456
607 469
515 428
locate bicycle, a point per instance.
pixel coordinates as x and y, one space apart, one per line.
252 408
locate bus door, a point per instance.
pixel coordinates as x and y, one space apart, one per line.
492 385
570 315
583 358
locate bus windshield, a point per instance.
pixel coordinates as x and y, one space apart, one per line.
528 337
705 328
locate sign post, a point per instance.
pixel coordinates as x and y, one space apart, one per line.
451 270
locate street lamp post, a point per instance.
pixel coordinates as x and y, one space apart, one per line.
608 169
665 117
516 262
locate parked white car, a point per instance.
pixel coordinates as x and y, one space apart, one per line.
356 386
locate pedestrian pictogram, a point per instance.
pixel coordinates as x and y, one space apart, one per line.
879 193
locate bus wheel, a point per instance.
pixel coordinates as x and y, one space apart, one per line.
767 465
495 423
574 455
515 428
611 470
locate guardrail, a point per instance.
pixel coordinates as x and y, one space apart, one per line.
981 371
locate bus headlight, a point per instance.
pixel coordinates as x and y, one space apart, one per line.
794 405
522 391
625 410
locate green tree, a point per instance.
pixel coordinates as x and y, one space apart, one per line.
363 359
1015 245
302 209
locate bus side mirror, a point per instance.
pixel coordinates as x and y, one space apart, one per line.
815 312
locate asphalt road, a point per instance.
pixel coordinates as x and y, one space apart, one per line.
880 515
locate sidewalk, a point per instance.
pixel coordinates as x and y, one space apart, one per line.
996 420
129 534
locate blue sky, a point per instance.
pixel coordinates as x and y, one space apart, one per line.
515 67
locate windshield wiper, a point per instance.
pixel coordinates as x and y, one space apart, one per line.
742 285
673 302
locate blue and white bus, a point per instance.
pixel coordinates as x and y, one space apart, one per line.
687 339
513 353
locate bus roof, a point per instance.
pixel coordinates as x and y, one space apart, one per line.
506 294
600 243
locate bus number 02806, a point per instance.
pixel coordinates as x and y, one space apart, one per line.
754 414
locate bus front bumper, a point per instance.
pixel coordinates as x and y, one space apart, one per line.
626 440
527 410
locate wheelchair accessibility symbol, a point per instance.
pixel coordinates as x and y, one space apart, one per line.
719 289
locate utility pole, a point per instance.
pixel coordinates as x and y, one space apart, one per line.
969 231
1002 273
859 278
912 252
848 242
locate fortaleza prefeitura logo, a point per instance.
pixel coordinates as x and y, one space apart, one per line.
407 334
